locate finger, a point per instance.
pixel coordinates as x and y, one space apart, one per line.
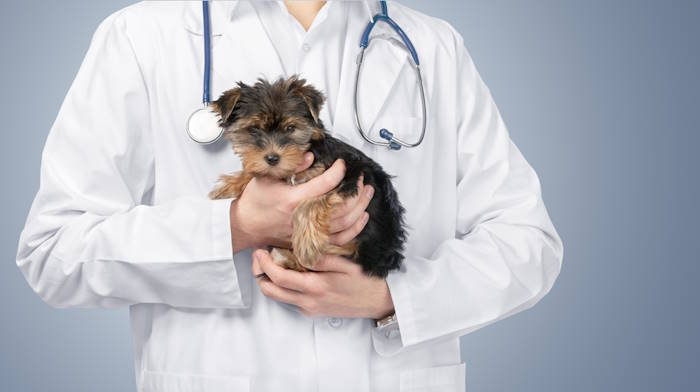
345 222
349 203
345 236
305 312
333 263
308 161
273 291
283 277
256 266
323 183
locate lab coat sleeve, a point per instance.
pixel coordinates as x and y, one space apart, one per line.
91 238
506 253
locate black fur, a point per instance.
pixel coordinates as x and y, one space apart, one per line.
381 241
380 244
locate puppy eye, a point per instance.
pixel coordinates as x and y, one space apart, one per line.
290 128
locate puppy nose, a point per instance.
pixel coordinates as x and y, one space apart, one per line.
272 159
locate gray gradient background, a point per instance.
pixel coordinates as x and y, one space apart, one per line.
602 98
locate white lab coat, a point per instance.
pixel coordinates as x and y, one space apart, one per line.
122 218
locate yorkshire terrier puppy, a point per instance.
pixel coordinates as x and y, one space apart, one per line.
271 126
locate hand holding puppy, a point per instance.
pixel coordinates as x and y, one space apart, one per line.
262 215
337 288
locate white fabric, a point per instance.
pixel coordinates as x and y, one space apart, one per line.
121 217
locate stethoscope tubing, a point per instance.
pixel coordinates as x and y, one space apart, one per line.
390 141
206 95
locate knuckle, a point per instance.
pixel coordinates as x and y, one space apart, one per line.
321 264
280 280
338 239
359 225
346 221
318 286
346 206
366 201
307 283
265 288
315 287
291 201
310 306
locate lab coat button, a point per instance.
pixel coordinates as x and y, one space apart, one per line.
306 47
335 322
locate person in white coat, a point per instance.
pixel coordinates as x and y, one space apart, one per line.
122 216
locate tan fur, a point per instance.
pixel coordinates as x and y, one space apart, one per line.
314 170
311 218
230 98
310 232
348 250
286 259
253 159
230 186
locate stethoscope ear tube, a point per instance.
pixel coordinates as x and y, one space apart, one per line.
206 98
392 142
203 126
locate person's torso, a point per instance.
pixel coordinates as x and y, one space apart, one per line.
271 346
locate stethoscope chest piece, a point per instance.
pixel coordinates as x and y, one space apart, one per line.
203 126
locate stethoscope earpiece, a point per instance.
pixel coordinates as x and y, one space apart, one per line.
389 137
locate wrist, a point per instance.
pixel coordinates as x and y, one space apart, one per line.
385 305
240 235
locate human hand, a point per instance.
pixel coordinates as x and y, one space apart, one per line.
262 215
337 287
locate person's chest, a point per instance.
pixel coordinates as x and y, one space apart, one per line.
244 49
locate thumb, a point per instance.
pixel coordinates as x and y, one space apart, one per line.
308 161
322 184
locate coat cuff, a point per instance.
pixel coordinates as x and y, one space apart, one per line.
391 341
240 292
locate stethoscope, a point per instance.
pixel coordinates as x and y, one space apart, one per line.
203 124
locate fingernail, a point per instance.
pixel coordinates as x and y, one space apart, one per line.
369 192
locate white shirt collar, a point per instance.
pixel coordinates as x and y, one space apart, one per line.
371 7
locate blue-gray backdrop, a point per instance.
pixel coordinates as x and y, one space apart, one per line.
602 98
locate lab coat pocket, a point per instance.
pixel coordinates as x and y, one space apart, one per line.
434 379
179 382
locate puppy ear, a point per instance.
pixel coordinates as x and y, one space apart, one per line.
314 100
226 104
312 97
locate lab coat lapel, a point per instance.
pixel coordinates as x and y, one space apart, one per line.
234 57
279 33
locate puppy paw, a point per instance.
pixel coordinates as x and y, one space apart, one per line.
286 259
309 245
230 186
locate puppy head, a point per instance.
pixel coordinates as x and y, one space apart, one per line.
271 125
